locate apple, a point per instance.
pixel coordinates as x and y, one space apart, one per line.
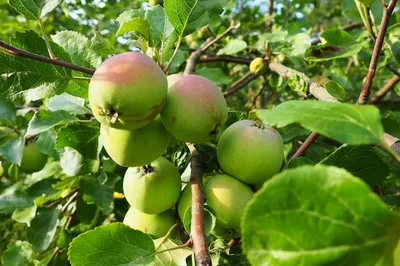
195 109
138 147
185 201
153 224
258 67
127 91
152 188
250 151
227 197
33 160
153 3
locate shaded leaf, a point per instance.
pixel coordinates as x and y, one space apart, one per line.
32 9
13 149
335 90
19 253
43 228
159 26
111 245
17 199
99 190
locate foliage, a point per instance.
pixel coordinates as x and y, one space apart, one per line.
321 210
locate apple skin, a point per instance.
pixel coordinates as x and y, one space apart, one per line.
153 3
185 201
227 197
130 148
33 160
130 84
250 153
257 66
153 224
153 188
194 110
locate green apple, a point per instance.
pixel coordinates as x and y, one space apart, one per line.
153 3
152 188
33 160
127 91
138 147
185 201
250 151
195 109
153 224
227 197
258 67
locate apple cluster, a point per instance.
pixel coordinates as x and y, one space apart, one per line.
141 111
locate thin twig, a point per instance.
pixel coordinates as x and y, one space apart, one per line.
54 203
166 69
225 58
303 148
197 230
240 83
390 84
219 37
14 51
195 56
268 17
53 255
387 12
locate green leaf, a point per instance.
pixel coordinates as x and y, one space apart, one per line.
395 49
175 257
45 143
32 9
133 21
80 148
31 79
17 199
159 26
100 46
111 245
8 113
298 84
13 149
366 2
216 75
44 120
233 47
339 44
99 190
361 161
346 123
78 47
188 15
19 253
43 228
24 215
335 90
209 220
318 215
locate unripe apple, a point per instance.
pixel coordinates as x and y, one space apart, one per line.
152 188
185 201
153 224
250 152
138 147
127 91
258 67
153 3
195 109
33 160
227 197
